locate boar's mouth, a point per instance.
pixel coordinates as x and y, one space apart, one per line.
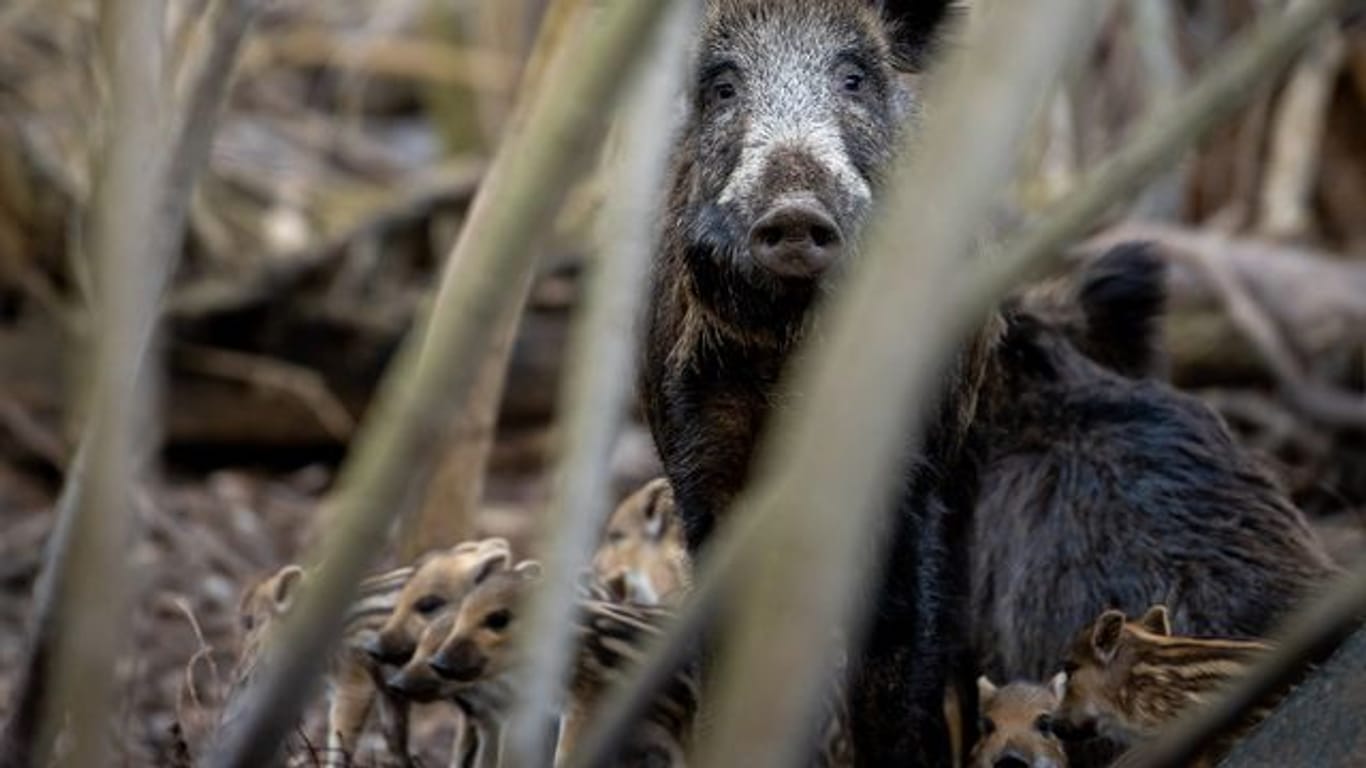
732 285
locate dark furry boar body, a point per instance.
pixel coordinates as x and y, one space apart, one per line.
796 109
1102 488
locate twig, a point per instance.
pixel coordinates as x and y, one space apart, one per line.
30 433
596 385
204 652
1296 138
452 498
304 384
1159 141
200 88
435 369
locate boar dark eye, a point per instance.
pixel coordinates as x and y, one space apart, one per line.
851 76
723 90
429 604
498 620
1044 725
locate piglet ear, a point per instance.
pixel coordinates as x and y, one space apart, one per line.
1105 635
529 569
287 582
654 519
1157 621
986 691
490 565
1058 685
913 27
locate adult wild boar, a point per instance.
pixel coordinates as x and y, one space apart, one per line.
796 109
1102 487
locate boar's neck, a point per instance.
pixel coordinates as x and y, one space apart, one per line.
706 394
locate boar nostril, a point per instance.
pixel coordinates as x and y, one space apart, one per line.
823 236
795 240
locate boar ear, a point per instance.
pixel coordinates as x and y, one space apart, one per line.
1058 685
490 565
986 691
1123 295
528 569
287 582
913 28
1157 621
1105 635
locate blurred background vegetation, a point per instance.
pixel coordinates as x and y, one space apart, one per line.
355 135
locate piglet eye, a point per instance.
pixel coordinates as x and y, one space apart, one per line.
1044 725
429 604
986 726
498 620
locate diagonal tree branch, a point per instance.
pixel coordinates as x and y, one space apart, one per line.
598 381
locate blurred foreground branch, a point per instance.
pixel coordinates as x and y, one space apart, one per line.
452 497
597 383
845 444
92 590
1158 142
436 369
138 249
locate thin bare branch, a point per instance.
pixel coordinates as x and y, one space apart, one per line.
1297 137
435 369
598 382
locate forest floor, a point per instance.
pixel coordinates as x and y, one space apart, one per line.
206 537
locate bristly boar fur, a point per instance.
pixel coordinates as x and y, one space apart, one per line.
796 111
1105 490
